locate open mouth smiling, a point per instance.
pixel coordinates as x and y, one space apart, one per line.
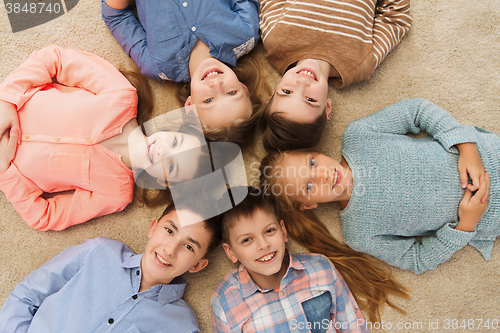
162 260
211 72
308 73
267 257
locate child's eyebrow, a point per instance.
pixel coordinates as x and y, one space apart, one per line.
195 242
172 224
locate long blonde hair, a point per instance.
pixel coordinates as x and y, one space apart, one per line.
369 279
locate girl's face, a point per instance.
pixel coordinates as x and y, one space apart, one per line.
302 93
170 156
219 96
312 178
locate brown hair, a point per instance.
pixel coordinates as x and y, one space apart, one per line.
150 195
241 132
369 279
281 133
211 224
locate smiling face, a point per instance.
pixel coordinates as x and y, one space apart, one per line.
258 242
172 250
302 93
312 178
170 156
219 96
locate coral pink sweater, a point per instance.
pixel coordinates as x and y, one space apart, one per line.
61 125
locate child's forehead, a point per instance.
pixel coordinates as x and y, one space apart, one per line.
173 218
260 217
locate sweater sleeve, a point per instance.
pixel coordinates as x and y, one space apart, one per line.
69 67
410 254
415 115
62 210
131 36
18 310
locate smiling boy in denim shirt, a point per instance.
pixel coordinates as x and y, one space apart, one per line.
101 285
274 290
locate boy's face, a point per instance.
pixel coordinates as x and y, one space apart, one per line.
302 94
172 250
258 242
219 96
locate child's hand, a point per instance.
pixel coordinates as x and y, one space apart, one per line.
8 148
8 116
470 164
472 207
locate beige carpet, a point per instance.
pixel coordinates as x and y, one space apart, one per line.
450 56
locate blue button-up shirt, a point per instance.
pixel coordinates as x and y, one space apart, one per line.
93 287
162 41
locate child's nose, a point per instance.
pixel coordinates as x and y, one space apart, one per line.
216 84
263 243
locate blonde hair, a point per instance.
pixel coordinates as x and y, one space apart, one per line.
369 279
242 131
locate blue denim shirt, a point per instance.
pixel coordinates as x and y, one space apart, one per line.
162 41
93 287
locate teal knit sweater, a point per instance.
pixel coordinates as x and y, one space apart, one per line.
407 187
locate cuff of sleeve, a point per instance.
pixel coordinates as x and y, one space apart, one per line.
10 98
107 11
9 174
225 54
456 238
458 135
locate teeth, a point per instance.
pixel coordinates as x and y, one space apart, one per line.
307 73
267 258
151 152
163 261
335 179
210 74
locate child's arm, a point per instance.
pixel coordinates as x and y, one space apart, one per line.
18 310
344 310
219 319
248 10
130 34
63 210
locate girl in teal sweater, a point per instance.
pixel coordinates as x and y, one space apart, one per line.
404 200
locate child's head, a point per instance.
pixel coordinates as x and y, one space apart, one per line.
302 179
253 234
299 108
173 249
227 100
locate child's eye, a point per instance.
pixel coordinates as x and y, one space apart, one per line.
189 247
308 187
245 240
312 162
208 100
174 144
309 99
171 167
286 91
169 230
270 230
232 92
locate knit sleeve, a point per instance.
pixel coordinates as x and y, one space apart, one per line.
412 116
410 254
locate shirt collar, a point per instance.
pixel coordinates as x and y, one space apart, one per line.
167 293
248 287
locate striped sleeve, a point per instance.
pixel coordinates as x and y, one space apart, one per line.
392 21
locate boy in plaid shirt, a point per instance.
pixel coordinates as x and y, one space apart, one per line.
274 290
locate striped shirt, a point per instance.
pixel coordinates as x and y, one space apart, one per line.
354 36
239 305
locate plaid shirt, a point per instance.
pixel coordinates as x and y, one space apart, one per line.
239 305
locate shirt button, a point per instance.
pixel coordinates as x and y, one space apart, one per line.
90 141
193 29
282 293
293 328
26 137
134 296
111 321
137 273
57 139
185 4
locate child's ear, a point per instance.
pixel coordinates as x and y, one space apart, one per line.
283 229
309 206
328 108
187 103
152 227
245 87
199 266
229 253
274 92
162 182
